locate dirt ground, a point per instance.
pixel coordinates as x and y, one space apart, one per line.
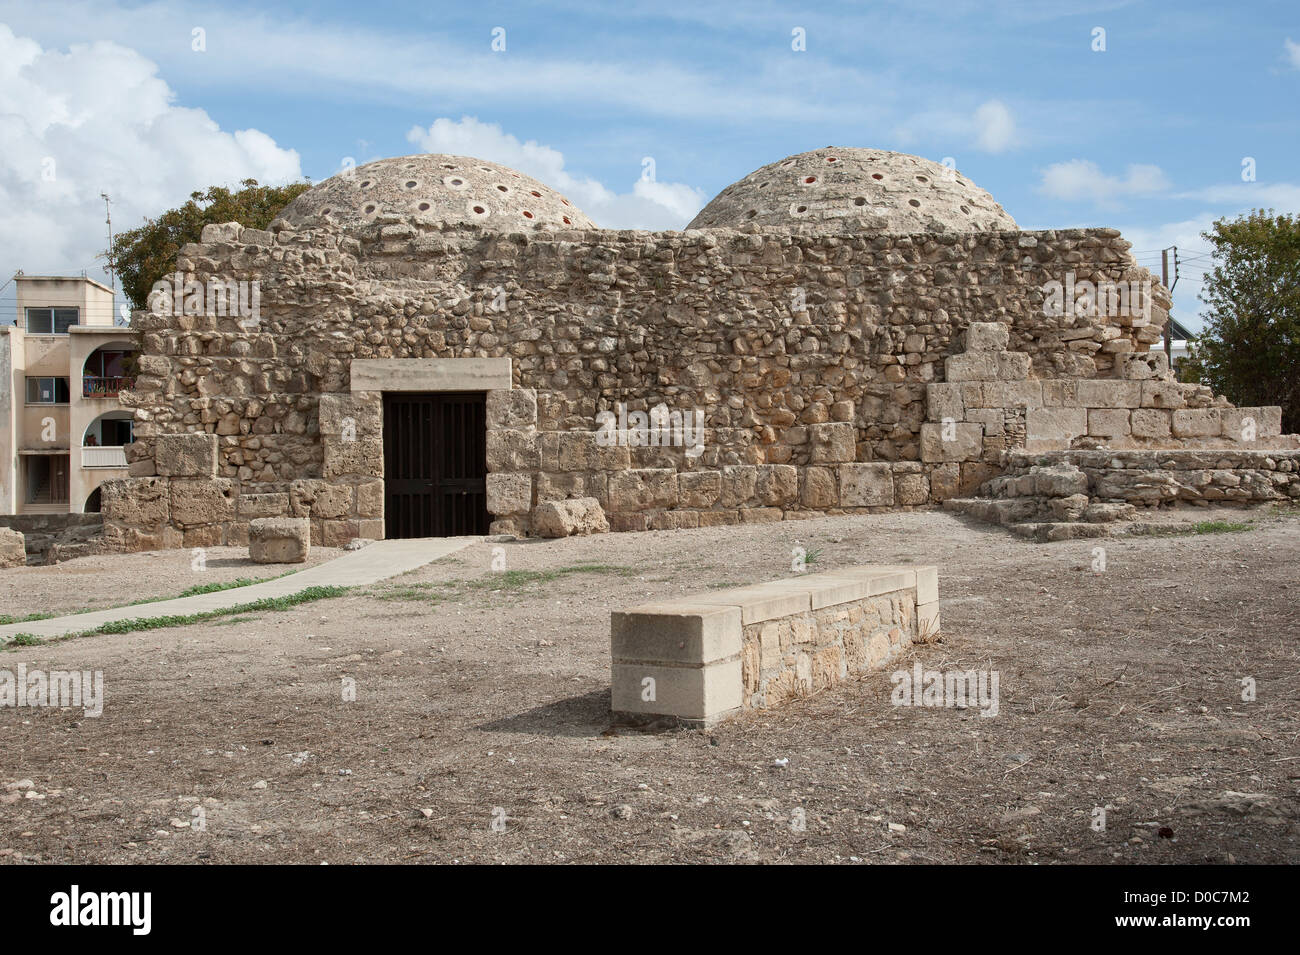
483 698
111 580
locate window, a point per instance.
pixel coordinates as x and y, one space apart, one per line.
51 321
47 391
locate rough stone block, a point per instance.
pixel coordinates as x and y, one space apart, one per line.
698 488
1048 429
1109 393
777 484
144 502
203 502
911 489
249 506
364 456
1108 423
1152 423
1013 365
576 516
13 548
965 442
833 442
1197 423
943 400
581 451
511 408
1239 423
512 449
509 494
186 455
866 485
975 366
638 490
351 416
1142 366
279 540
987 336
1011 394
370 499
739 482
1164 394
819 489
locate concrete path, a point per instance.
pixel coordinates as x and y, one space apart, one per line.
374 562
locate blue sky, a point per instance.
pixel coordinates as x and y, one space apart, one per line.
1148 135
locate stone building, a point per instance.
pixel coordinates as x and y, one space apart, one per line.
440 344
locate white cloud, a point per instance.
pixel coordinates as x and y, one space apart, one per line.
650 204
1292 52
991 128
1282 196
97 118
995 127
1082 179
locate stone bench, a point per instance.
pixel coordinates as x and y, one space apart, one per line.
701 659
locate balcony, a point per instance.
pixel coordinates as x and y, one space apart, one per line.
109 457
95 387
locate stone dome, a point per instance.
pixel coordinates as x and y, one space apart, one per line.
433 189
835 190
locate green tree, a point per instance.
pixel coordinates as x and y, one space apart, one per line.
1249 350
146 254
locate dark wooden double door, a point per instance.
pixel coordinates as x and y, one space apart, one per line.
435 464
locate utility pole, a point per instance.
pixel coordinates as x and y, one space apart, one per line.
1164 279
108 221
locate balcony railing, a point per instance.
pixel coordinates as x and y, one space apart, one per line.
92 387
108 457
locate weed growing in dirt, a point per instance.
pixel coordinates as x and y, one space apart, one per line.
1219 527
6 619
177 620
25 640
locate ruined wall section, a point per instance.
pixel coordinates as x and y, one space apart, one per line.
805 353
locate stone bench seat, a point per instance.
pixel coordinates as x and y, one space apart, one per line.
700 659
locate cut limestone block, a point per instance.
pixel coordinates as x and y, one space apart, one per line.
579 515
675 660
279 540
701 659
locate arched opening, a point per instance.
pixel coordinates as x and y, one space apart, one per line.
109 369
92 502
103 445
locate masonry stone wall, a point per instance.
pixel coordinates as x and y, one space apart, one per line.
809 355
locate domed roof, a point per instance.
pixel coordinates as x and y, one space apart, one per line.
435 189
855 190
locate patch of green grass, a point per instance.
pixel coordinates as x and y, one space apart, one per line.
420 592
6 619
234 620
214 588
812 556
178 620
1219 527
25 640
515 580
725 584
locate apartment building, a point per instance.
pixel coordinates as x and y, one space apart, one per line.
63 362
